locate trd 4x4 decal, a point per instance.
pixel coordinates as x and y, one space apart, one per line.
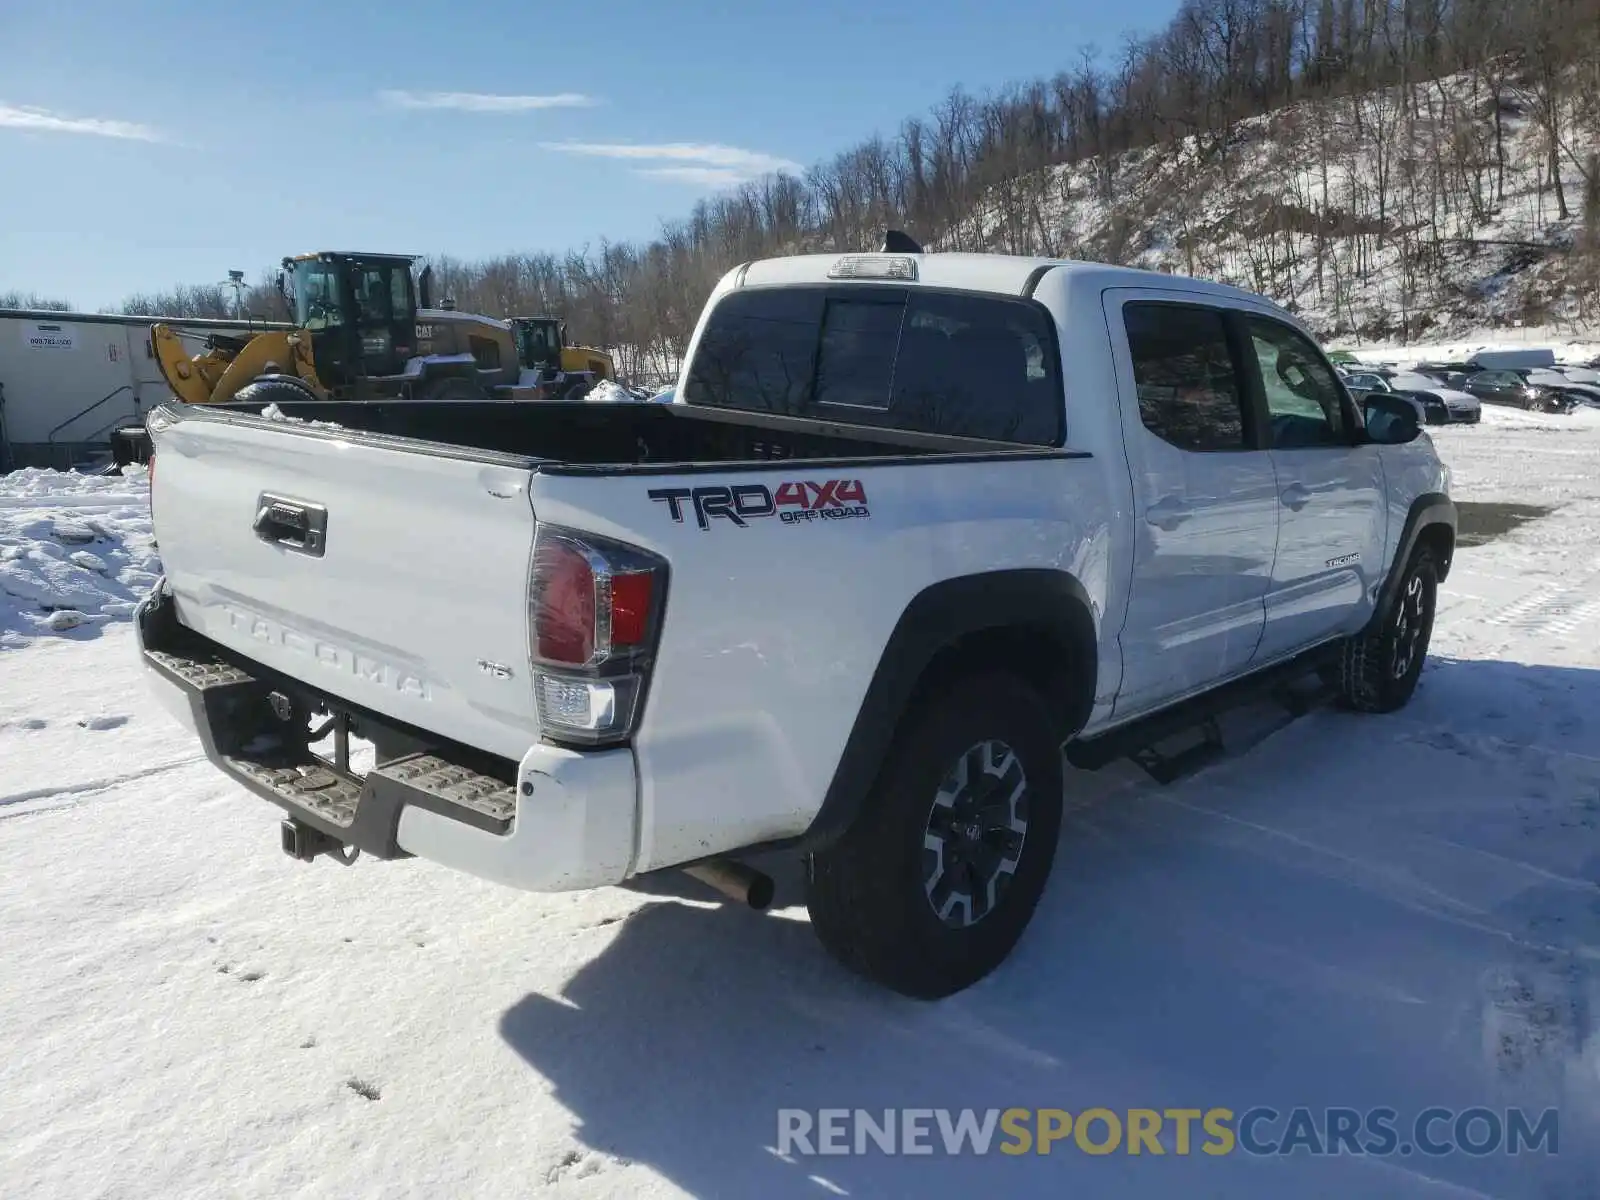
793 503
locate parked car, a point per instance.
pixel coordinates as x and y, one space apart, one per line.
1365 381
911 523
1444 372
1457 406
1581 391
1435 405
1509 387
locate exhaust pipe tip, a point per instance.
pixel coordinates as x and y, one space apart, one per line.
738 882
762 892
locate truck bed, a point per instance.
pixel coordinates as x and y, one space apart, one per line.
577 435
400 581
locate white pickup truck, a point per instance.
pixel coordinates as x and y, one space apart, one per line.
913 522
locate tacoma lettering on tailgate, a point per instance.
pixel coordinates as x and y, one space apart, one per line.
795 502
330 655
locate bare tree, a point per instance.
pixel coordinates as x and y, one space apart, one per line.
1355 141
33 300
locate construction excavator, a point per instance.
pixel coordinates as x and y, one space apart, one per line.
366 329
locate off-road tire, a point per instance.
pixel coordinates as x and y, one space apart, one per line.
868 894
1379 668
275 389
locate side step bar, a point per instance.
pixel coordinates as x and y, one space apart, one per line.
1137 739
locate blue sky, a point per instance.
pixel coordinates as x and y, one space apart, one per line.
148 144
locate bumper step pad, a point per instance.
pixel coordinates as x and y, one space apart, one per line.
493 800
309 785
234 716
199 672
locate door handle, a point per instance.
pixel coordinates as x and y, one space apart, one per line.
1295 496
292 524
1167 513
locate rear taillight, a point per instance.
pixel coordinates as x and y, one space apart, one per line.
632 594
565 605
594 617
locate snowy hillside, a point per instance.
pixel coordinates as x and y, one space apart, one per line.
1393 215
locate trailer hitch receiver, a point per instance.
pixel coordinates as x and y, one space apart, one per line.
303 844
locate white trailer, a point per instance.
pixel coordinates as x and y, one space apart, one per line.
68 379
1514 359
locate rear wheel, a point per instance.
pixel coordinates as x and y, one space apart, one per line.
931 888
453 387
1379 669
575 387
275 389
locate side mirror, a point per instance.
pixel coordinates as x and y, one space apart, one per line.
1391 420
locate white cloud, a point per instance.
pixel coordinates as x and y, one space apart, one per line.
42 120
481 102
707 176
698 162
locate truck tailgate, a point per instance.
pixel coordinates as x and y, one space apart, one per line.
390 574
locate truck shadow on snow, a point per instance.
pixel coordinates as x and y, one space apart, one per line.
1358 911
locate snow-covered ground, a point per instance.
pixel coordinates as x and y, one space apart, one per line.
75 551
1359 911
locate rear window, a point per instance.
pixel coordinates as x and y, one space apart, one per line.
855 363
924 361
758 352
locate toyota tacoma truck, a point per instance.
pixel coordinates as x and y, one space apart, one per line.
913 523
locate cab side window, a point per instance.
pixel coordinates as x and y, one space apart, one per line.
1183 369
1305 404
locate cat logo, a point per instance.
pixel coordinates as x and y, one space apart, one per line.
424 333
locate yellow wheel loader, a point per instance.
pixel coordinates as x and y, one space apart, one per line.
229 363
366 329
362 333
549 361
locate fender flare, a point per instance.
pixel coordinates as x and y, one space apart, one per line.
1429 510
1052 603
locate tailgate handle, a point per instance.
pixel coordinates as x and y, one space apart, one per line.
293 524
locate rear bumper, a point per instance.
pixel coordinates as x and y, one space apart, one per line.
559 820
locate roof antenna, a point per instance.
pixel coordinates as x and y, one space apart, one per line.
896 242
